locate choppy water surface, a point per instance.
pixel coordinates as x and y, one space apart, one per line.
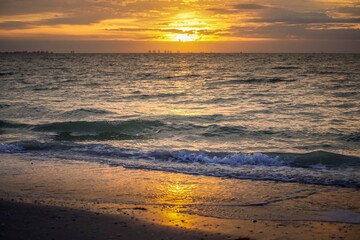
287 117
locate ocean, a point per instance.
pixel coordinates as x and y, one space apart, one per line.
278 117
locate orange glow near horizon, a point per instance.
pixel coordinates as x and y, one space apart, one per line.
181 21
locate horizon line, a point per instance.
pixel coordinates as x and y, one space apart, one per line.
72 52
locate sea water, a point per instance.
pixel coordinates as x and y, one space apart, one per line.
283 117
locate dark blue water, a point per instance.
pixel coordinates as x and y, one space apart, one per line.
286 117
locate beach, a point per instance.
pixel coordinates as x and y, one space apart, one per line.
180 120
71 199
179 146
36 221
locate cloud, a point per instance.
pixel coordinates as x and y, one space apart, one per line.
248 6
18 7
168 30
296 32
222 11
349 12
241 7
10 25
71 20
125 19
292 17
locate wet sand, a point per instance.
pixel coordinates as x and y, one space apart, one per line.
81 200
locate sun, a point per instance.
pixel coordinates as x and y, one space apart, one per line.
185 37
186 27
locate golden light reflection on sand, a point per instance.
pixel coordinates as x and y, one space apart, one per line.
175 194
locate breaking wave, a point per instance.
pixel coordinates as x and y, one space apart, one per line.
314 167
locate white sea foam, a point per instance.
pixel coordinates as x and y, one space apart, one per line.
221 158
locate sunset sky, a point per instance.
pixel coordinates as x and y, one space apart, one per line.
186 25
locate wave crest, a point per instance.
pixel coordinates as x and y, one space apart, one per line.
186 156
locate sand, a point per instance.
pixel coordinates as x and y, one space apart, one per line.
64 199
34 221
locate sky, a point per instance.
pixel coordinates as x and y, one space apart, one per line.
180 25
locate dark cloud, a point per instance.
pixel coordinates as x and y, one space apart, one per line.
222 10
299 31
10 25
71 20
273 14
290 17
82 12
248 6
167 30
16 7
238 8
352 11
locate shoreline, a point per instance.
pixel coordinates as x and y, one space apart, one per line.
170 204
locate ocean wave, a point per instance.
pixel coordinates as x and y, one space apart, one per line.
83 112
320 159
28 146
218 131
6 73
256 81
4 105
98 126
285 67
9 124
93 130
101 130
318 167
156 96
141 128
352 137
44 88
302 160
234 159
104 136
